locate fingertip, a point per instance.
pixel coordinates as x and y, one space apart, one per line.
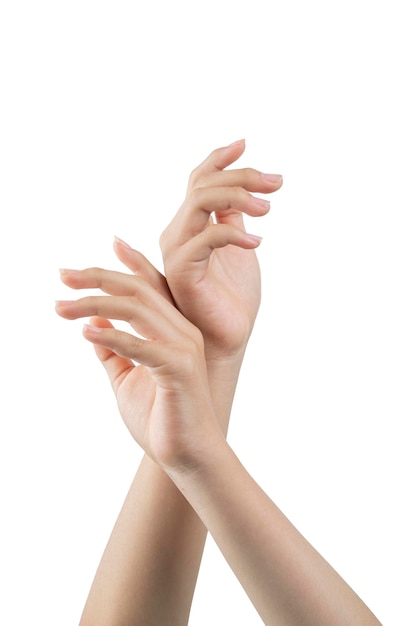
254 239
62 306
273 179
121 242
236 148
222 157
239 142
100 322
90 330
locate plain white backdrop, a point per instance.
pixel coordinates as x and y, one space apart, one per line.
105 109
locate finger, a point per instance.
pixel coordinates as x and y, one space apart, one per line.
250 179
140 266
149 313
228 203
125 348
131 295
116 366
116 307
113 283
196 252
218 160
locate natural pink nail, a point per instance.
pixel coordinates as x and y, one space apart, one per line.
122 243
94 330
65 270
254 238
272 178
63 302
263 204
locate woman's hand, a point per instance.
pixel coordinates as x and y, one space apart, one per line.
164 399
209 259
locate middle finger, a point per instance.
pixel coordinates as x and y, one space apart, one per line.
248 178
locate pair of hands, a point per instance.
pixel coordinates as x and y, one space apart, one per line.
200 314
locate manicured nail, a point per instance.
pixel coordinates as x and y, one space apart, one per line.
254 238
94 330
122 243
236 142
65 270
260 202
272 178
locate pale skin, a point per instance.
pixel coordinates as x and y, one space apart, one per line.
174 378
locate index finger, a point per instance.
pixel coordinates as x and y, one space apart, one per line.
218 160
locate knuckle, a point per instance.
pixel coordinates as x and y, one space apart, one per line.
95 272
166 243
193 177
92 303
239 193
163 239
133 343
195 196
249 173
134 299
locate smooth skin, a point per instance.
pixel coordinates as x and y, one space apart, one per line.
176 403
157 532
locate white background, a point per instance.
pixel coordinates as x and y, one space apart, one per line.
105 109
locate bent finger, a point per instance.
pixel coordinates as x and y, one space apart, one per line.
126 348
195 254
217 160
117 367
249 178
149 314
113 283
228 203
139 265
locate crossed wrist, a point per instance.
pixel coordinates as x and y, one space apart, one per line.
221 360
199 451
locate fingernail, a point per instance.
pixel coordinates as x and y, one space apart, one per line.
65 270
94 330
235 143
263 204
254 238
122 243
59 302
272 178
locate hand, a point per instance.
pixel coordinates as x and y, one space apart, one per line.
140 266
165 400
210 264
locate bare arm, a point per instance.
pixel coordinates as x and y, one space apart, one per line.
285 577
287 580
149 568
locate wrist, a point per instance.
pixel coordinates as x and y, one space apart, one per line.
223 375
205 445
223 365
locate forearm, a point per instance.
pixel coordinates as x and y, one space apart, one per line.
149 568
223 374
285 577
148 571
